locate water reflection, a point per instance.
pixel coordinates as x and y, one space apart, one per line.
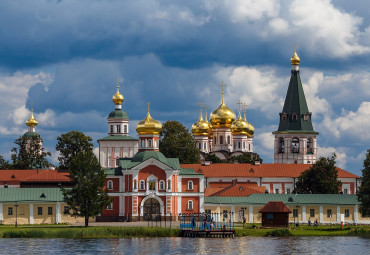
245 245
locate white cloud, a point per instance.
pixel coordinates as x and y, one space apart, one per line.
252 10
325 29
341 159
279 26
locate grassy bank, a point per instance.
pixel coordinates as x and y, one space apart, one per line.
82 232
303 230
57 231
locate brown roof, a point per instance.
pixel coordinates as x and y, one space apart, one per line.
275 206
31 175
235 189
47 176
262 170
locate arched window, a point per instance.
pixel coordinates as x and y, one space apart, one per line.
281 145
142 143
190 185
149 143
199 146
110 206
221 139
161 185
111 129
205 146
151 185
110 184
135 184
125 129
295 145
117 161
142 184
249 147
310 145
243 145
215 140
168 185
228 139
239 145
190 205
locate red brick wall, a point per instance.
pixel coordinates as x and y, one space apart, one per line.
184 204
115 184
184 184
115 211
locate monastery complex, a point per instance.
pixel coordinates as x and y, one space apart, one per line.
144 184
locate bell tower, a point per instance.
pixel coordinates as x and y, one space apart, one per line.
295 139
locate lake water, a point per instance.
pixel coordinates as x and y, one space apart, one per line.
176 245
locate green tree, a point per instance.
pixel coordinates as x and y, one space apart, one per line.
70 144
320 178
87 198
214 159
246 157
4 164
364 190
29 153
176 142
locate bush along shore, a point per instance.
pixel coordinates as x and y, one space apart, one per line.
128 232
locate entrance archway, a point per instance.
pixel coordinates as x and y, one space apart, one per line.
151 209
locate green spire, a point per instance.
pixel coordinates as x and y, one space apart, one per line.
295 117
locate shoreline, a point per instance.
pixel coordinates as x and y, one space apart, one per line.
68 231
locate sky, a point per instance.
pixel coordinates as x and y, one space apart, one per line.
65 56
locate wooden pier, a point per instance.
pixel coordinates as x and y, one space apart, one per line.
208 233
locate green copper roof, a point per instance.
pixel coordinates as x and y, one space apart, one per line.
118 138
113 171
30 134
30 195
295 105
337 199
118 114
188 171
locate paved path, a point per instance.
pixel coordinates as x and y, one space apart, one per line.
174 224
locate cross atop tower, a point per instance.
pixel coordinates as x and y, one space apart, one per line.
148 106
31 106
240 104
222 85
117 80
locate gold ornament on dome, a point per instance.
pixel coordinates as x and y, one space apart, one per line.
118 97
148 126
295 59
250 126
31 122
223 116
201 127
240 126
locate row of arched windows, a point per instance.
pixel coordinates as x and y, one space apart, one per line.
295 145
152 185
148 143
239 145
118 129
221 140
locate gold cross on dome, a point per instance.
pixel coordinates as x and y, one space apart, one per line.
31 106
222 85
117 80
240 104
295 47
148 106
205 107
201 104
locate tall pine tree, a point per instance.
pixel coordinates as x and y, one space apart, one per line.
88 196
364 190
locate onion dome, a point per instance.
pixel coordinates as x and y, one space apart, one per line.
148 126
223 116
250 126
240 126
295 59
118 97
200 127
31 122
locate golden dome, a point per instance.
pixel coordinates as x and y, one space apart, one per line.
31 122
250 126
222 117
240 126
118 97
200 127
148 126
295 59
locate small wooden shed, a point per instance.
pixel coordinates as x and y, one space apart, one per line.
275 214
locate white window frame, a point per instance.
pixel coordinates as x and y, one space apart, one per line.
190 185
142 184
110 184
118 128
190 205
161 185
110 206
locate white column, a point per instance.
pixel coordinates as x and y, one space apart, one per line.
233 211
57 213
250 214
31 213
338 214
303 213
355 214
201 203
201 184
1 212
121 206
321 214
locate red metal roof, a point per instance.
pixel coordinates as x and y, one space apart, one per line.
234 189
262 170
275 206
47 176
31 175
